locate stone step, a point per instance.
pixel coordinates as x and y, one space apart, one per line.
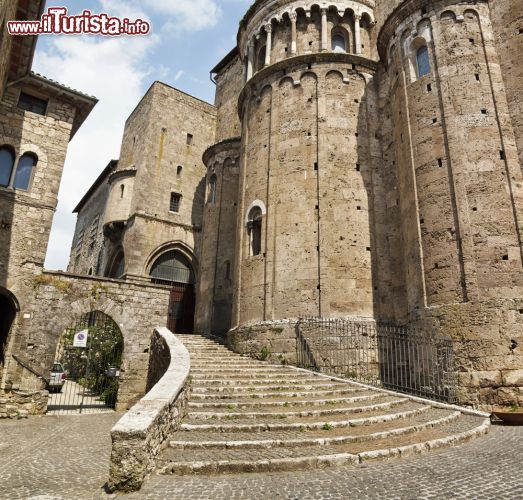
393 412
207 461
248 381
267 394
303 437
255 389
379 403
244 370
291 402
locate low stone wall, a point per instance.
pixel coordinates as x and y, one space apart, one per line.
273 341
139 435
21 404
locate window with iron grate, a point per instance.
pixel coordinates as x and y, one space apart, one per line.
175 202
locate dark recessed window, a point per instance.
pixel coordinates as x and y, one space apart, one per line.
33 104
189 139
175 202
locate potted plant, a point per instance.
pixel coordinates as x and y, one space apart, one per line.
512 415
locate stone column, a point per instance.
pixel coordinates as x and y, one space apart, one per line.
268 47
250 59
293 16
357 34
324 29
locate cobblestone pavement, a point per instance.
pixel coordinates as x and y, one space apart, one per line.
66 458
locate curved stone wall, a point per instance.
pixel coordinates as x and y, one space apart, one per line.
507 20
217 257
120 197
306 162
459 186
276 31
459 179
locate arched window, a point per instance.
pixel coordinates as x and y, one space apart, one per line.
254 228
211 196
261 58
423 61
339 44
172 267
24 171
179 169
227 270
7 161
122 190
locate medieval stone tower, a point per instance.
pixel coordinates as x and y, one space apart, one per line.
374 172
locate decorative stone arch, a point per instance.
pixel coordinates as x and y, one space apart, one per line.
471 14
308 73
178 246
173 265
255 203
448 15
284 80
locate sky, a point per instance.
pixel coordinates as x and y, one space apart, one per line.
188 38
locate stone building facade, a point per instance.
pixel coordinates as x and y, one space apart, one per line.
38 118
379 178
363 160
366 164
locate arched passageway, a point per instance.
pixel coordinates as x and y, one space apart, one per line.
8 310
174 269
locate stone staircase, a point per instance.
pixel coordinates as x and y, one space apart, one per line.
251 416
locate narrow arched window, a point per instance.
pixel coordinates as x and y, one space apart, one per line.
7 161
211 197
423 61
122 190
227 270
24 171
254 228
179 169
339 44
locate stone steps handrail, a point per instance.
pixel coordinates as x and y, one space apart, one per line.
138 436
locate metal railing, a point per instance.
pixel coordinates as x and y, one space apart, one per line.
382 355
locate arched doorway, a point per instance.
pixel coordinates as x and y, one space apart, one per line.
8 309
85 374
174 269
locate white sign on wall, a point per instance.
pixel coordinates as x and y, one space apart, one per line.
80 339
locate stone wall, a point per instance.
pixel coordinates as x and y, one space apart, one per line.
164 159
21 404
229 82
88 247
7 12
307 161
218 250
507 21
52 302
26 216
138 437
